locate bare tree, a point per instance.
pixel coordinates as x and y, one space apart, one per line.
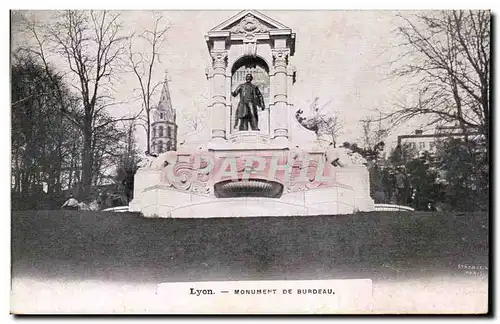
143 64
446 66
373 133
195 119
92 47
195 122
128 163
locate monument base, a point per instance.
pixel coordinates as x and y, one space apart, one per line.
164 202
251 183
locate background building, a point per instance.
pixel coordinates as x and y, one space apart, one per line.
163 125
421 142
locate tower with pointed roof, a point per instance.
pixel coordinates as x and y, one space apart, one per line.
163 125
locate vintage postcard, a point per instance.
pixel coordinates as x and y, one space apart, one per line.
250 162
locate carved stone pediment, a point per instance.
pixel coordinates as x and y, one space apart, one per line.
249 21
249 25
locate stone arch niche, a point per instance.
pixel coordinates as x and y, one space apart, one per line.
251 42
258 68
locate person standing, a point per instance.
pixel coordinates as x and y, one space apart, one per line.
250 99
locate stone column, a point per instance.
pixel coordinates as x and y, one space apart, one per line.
229 117
291 73
218 114
280 100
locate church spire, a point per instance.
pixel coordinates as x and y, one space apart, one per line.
164 128
165 104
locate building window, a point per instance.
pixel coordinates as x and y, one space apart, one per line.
160 147
161 115
169 132
160 131
432 145
154 132
169 145
421 145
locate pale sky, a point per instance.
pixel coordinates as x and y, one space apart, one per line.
341 57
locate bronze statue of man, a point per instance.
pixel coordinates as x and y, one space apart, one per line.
250 99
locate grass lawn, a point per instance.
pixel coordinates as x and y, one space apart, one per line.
127 247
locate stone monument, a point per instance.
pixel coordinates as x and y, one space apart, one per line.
277 167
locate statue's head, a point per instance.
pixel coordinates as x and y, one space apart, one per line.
249 78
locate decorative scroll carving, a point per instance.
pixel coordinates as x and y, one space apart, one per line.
185 176
181 175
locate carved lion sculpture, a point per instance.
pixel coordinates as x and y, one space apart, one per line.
146 161
338 157
164 160
341 157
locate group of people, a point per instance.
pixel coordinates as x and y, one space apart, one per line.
102 201
73 204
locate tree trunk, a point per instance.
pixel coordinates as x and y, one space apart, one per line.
70 176
60 158
17 175
25 180
86 163
148 135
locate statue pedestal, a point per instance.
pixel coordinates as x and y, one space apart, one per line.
249 141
